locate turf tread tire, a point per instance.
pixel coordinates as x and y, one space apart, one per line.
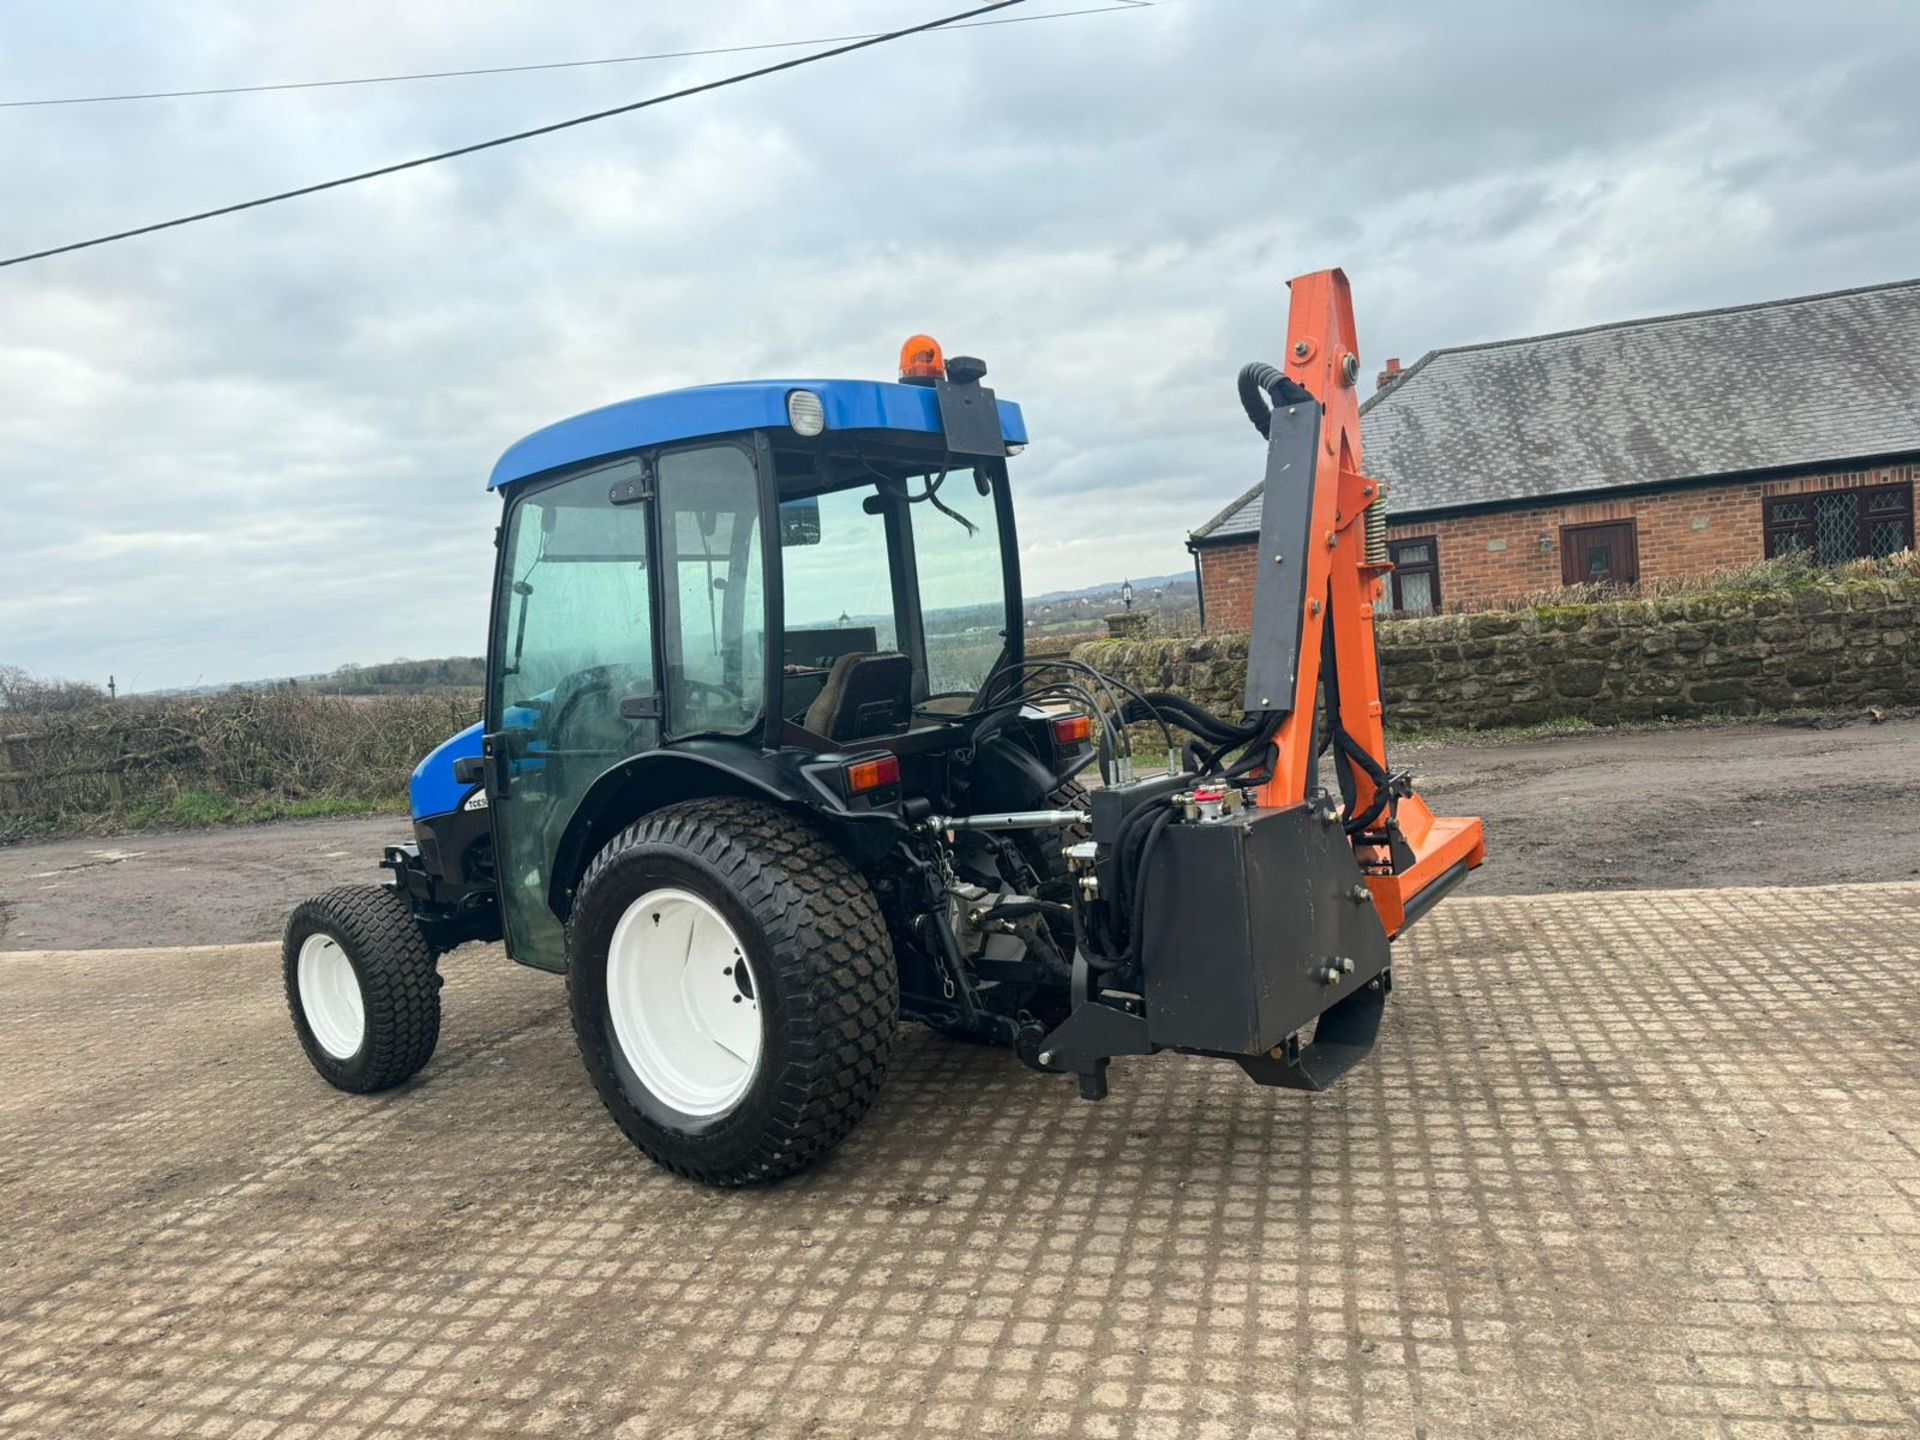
822 938
399 984
1042 847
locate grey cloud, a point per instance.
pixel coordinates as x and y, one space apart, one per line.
259 445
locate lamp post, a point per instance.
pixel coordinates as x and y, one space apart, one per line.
1126 594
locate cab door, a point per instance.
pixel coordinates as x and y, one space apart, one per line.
572 683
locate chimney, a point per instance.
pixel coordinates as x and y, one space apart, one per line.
1387 376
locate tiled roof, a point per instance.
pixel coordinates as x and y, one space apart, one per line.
1712 392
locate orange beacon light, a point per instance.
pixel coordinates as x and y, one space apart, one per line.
921 361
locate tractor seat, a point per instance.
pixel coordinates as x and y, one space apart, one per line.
866 694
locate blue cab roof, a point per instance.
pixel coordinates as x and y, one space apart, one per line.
723 409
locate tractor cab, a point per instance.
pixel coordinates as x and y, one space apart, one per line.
794 589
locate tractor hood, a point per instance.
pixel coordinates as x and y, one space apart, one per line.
433 790
704 410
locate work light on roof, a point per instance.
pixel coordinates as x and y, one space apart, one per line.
805 413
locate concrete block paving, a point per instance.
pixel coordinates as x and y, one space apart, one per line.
1624 1164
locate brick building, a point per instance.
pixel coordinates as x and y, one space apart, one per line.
1637 451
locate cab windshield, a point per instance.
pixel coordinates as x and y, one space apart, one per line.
963 604
882 566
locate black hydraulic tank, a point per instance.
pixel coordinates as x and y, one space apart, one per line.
1254 925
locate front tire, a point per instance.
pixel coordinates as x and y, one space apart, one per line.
362 987
733 989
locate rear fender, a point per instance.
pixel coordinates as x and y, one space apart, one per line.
1006 776
649 782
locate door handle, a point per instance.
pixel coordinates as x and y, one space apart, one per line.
494 766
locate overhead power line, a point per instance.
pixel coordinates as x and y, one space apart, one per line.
738 78
543 65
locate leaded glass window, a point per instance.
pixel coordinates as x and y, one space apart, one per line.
1836 525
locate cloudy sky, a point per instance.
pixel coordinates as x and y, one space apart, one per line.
257 446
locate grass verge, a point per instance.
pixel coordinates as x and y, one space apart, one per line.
195 810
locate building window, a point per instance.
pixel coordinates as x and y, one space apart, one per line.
1829 526
1606 554
1416 575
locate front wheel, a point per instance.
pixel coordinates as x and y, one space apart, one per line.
733 989
362 987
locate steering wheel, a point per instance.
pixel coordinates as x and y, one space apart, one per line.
572 690
711 687
727 695
564 715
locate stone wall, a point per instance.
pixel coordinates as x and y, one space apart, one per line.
1833 644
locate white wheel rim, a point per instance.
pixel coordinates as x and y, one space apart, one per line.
330 996
684 1001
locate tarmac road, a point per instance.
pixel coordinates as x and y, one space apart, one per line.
1698 806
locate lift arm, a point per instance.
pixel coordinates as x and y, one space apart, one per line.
1322 568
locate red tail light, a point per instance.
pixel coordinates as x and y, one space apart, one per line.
877 774
1072 730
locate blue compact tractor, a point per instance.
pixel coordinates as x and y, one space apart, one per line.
764 771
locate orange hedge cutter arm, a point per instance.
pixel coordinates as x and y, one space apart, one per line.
1317 570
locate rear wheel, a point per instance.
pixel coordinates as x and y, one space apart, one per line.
733 990
362 987
1045 850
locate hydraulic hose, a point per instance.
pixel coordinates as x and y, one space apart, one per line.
1123 836
1111 951
1157 704
1261 388
1260 756
1376 772
1112 737
1083 944
1259 383
1151 703
1257 744
1112 743
1347 752
1137 923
